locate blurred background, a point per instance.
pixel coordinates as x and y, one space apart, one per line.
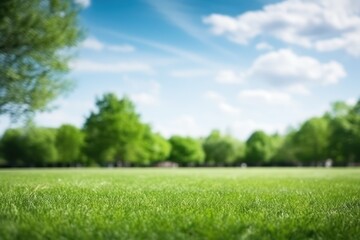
179 83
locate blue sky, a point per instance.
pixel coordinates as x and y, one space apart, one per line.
193 65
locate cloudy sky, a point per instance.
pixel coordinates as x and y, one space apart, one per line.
192 65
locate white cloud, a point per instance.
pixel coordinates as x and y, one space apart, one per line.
66 111
214 96
325 25
349 42
144 98
284 67
351 101
189 73
184 125
227 108
186 121
298 89
264 46
94 44
221 103
149 96
228 76
244 128
59 117
83 3
265 96
116 67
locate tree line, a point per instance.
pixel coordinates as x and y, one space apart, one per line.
115 135
33 66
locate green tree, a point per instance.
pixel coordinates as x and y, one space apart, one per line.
39 146
339 109
158 147
186 151
35 48
69 143
344 140
312 140
355 121
11 147
286 152
149 148
222 150
115 133
259 148
31 146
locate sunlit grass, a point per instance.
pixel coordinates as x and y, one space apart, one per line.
180 204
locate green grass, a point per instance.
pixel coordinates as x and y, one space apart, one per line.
180 204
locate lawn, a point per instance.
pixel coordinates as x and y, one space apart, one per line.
180 204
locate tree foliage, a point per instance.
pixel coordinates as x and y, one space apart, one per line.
11 145
186 151
259 148
156 148
220 150
115 133
344 140
311 140
35 48
29 146
69 143
286 152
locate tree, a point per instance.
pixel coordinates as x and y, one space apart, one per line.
338 109
259 148
39 146
286 152
11 147
30 146
344 140
354 118
35 48
149 148
158 148
69 143
186 151
312 140
115 133
222 150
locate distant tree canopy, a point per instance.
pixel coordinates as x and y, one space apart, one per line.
114 134
35 48
186 151
286 154
344 133
311 140
29 147
155 148
259 148
220 150
11 147
69 142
